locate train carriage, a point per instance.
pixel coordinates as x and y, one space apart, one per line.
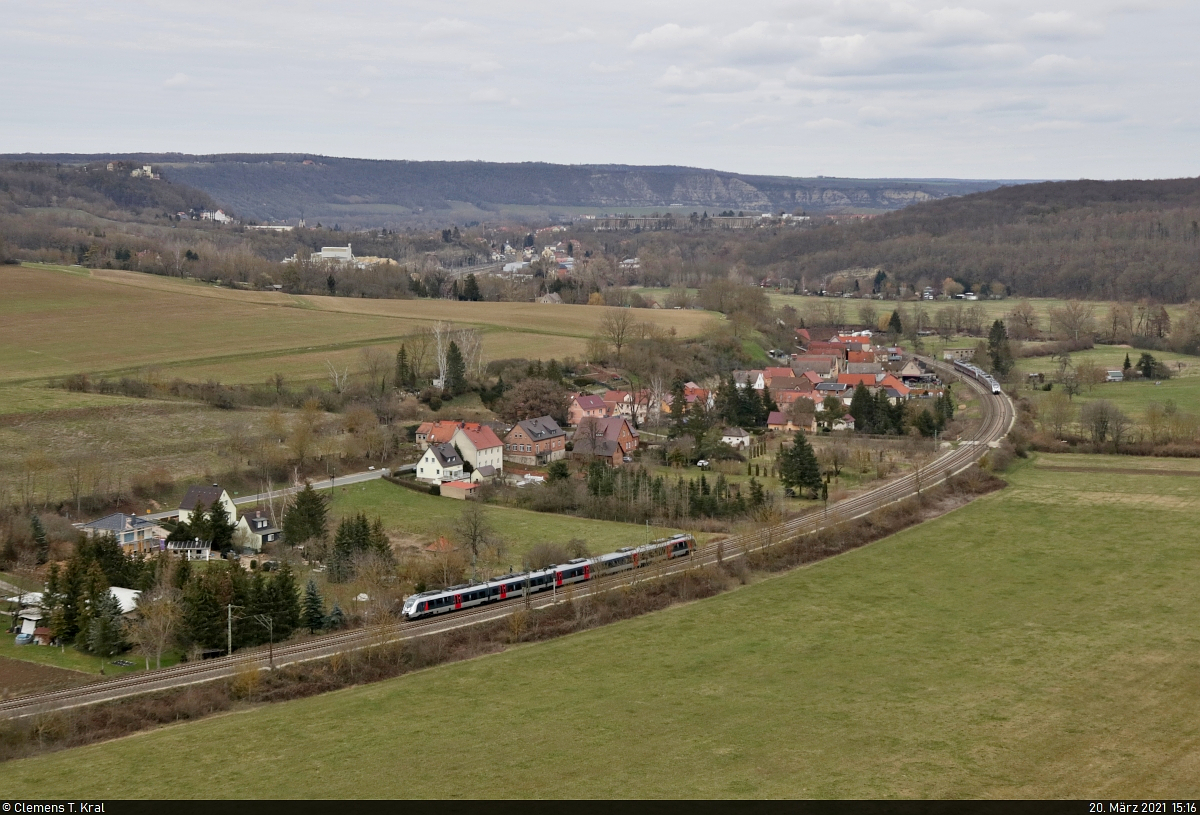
512 586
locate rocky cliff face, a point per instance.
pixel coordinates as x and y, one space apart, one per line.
382 193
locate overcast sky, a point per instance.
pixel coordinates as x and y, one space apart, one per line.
937 88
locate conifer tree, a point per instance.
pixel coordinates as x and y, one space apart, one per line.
798 467
284 603
456 371
862 408
39 539
104 625
198 523
314 608
336 618
305 519
402 367
203 614
678 410
999 352
378 542
221 527
894 324
470 290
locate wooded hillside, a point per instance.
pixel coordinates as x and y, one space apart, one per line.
368 193
1103 240
1098 240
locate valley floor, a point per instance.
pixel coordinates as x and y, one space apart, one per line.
1040 642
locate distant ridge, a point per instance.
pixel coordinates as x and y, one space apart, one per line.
373 193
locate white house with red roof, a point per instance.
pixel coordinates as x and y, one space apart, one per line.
480 447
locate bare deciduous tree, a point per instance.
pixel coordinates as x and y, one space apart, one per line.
337 378
441 332
470 343
417 347
615 328
473 531
1074 319
152 629
376 364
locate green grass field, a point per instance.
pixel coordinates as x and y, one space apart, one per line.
1135 396
409 515
1009 649
62 320
73 660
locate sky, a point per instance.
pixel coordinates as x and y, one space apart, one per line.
1002 89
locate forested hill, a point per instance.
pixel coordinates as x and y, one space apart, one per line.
366 193
1124 240
96 189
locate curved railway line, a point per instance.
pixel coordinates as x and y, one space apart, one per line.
997 420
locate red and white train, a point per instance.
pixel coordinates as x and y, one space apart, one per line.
579 570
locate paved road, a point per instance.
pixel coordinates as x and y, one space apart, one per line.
998 420
329 483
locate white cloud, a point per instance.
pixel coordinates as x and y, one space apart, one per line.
762 120
1061 66
615 68
445 27
875 115
825 123
578 35
713 80
491 96
669 37
904 87
1060 25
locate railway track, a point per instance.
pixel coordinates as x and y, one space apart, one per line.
998 419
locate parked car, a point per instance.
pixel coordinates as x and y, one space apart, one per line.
24 639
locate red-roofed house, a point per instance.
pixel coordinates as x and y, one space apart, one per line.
860 356
823 364
585 406
480 446
854 380
780 422
896 390
771 374
833 349
802 336
440 432
631 405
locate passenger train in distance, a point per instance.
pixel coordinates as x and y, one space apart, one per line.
975 372
509 586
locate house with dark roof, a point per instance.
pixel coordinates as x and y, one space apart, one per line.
441 462
597 437
535 441
254 529
207 495
749 379
136 536
823 364
586 406
736 437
